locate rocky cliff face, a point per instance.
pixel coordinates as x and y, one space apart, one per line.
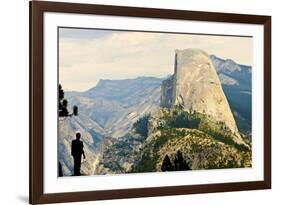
236 80
196 86
167 92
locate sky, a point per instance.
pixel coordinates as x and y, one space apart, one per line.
88 55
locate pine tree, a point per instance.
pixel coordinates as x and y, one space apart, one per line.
180 163
63 103
167 165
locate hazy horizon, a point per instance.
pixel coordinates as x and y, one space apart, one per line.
87 56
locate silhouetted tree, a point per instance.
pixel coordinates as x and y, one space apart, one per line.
167 165
180 163
63 111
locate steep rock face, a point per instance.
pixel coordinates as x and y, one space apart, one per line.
196 86
167 92
236 80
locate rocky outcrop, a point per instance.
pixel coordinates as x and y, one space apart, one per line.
167 92
195 86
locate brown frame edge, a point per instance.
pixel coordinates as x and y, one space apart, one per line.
37 8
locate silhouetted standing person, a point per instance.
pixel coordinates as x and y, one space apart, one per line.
77 152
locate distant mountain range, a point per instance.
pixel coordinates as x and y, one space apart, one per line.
115 104
109 110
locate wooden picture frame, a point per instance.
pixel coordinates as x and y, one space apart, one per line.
37 9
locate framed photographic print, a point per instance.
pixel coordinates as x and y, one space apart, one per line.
139 102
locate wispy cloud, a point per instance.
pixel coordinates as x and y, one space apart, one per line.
87 57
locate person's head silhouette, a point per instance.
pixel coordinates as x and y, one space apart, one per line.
78 135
